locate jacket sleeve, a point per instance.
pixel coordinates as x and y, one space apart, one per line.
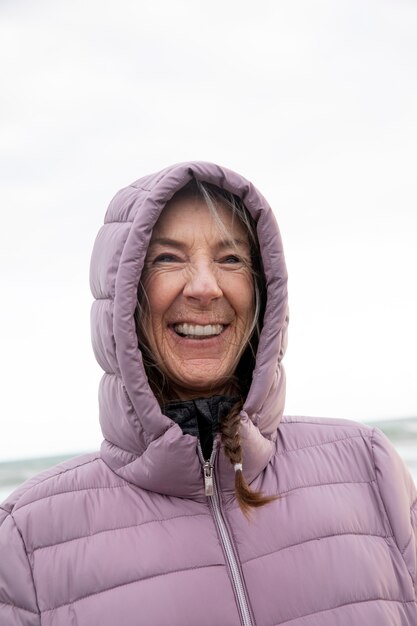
18 605
399 498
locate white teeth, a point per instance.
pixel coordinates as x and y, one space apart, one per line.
197 330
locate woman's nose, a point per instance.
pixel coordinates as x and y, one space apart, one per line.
202 284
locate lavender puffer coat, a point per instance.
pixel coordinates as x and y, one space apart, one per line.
128 537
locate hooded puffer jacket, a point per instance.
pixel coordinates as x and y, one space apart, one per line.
127 536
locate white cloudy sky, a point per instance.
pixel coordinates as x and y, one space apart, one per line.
315 102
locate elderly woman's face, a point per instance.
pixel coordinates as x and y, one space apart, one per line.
200 292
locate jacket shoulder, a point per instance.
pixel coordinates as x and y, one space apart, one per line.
75 498
335 452
318 451
299 431
80 473
18 598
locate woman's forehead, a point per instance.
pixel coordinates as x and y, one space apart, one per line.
187 215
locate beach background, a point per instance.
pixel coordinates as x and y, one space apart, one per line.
402 433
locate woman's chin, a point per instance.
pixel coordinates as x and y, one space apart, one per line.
200 377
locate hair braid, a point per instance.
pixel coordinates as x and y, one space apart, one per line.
230 437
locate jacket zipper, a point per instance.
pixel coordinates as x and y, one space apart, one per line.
212 492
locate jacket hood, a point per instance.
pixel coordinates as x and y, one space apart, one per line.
140 443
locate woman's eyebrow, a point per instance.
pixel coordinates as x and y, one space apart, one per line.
219 245
231 243
166 241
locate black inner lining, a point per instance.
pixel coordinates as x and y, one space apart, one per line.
200 417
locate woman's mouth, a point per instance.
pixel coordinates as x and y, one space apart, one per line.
198 331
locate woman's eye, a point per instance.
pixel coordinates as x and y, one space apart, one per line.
166 258
231 259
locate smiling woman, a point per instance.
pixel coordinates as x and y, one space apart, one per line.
205 505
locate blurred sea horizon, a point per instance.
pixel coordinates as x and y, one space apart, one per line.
402 432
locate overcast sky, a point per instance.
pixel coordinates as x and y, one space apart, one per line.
315 102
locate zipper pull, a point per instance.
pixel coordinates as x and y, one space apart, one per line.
208 478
